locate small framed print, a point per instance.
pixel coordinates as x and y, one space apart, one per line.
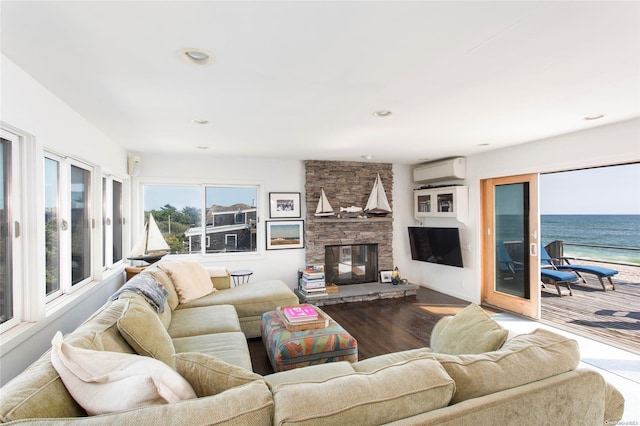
386 276
285 234
284 204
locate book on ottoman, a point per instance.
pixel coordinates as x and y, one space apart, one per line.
300 313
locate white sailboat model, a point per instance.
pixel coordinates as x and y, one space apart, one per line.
378 204
150 246
324 208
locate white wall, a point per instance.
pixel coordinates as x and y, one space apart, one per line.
605 145
26 106
271 175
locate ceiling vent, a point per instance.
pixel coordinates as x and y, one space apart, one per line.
438 171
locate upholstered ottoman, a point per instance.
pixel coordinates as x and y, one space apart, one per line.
292 349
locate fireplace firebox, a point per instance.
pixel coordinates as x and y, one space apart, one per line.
351 264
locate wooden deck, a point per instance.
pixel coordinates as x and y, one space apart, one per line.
611 317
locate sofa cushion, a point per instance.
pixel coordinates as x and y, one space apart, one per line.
470 331
391 393
229 347
100 331
251 299
524 359
104 382
209 375
37 392
312 373
142 329
371 364
204 320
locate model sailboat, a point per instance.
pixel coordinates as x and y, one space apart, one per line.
378 204
150 246
324 208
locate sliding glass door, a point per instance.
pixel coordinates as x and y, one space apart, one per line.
510 244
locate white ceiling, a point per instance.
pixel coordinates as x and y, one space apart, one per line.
300 80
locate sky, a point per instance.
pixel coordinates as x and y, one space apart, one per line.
604 190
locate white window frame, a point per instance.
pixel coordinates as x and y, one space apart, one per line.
233 237
65 237
59 292
139 207
14 213
107 221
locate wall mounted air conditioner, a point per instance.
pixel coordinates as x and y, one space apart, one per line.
437 171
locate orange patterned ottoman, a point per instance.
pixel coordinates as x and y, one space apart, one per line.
292 349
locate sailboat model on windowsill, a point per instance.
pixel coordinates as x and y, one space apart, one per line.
378 204
150 246
324 209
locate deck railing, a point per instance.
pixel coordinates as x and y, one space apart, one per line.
556 249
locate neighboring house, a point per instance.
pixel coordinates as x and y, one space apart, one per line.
226 231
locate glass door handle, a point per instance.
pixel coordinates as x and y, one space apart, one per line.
533 250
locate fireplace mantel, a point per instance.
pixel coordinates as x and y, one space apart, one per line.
352 219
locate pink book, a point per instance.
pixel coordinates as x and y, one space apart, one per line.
302 312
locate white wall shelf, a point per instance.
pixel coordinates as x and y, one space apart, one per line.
449 202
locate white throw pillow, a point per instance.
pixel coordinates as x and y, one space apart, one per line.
104 382
190 278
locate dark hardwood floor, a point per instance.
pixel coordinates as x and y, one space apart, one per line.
381 326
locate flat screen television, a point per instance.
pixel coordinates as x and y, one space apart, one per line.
436 245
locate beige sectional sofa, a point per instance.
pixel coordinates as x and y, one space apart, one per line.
529 379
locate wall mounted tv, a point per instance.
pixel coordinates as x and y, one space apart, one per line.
436 245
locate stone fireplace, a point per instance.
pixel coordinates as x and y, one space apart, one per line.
347 184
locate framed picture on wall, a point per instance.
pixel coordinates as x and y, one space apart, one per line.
284 204
285 234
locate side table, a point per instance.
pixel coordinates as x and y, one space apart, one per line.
240 276
132 271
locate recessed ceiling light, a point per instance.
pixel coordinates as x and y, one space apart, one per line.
197 56
201 122
594 117
367 157
202 147
482 144
382 113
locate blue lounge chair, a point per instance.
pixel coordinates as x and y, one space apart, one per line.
598 271
548 272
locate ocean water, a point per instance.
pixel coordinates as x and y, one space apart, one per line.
605 230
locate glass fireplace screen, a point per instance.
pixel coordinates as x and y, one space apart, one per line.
351 264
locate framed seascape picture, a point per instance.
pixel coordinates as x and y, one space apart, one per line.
284 204
285 234
386 276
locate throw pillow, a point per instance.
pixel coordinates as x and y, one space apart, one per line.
143 330
391 393
470 331
190 279
210 375
105 382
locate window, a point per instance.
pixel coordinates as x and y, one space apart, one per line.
112 221
10 232
229 214
6 246
68 224
52 227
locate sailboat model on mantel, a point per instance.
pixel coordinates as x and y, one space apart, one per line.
324 209
378 204
150 246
